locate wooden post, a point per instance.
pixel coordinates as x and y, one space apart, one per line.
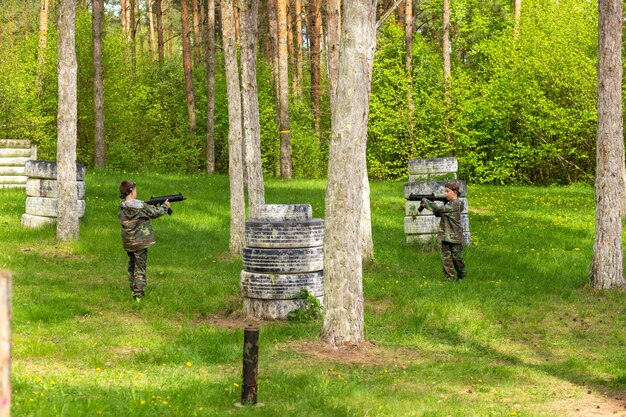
250 366
5 344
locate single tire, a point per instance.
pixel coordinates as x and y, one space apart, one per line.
13 179
12 170
14 152
435 176
430 188
428 224
273 309
430 165
280 286
37 221
48 170
47 207
13 161
412 208
14 143
284 212
292 234
37 187
283 261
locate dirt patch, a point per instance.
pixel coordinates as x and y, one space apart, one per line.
366 353
594 405
52 251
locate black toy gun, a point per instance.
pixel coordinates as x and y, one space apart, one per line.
158 201
431 197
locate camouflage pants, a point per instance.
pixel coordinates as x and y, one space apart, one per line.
452 257
137 262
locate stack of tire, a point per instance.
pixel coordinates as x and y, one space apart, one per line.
283 255
428 177
13 156
41 193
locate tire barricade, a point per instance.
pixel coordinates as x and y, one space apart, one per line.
283 255
428 177
13 156
41 193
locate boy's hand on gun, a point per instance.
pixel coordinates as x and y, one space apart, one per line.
167 203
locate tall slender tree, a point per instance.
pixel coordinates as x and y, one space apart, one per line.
314 32
607 268
283 80
235 162
249 11
151 27
158 11
98 83
333 9
299 53
195 9
44 7
209 62
67 202
343 302
191 104
447 72
517 16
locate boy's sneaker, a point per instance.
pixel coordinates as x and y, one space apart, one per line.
138 297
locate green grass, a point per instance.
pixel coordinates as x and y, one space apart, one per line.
523 335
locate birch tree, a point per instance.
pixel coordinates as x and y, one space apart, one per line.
98 83
249 11
607 268
235 168
67 202
343 275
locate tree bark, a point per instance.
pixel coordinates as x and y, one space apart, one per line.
447 73
209 59
607 269
44 8
158 10
191 105
408 45
123 15
299 55
315 29
98 84
291 51
152 37
333 9
273 40
517 15
196 32
67 205
343 303
283 79
235 168
249 11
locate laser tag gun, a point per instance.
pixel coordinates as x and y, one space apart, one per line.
158 201
430 197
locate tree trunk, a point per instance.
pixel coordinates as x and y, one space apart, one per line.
235 168
153 42
273 38
291 51
447 73
607 269
333 9
283 79
44 8
5 342
343 303
191 105
517 13
299 57
98 84
315 29
133 34
123 16
158 10
196 32
209 59
249 11
67 205
408 44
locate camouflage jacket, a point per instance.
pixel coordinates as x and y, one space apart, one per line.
450 229
134 216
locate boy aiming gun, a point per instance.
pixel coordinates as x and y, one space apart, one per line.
450 231
137 234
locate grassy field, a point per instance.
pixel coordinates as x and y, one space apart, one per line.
523 335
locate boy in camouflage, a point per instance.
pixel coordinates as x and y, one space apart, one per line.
450 231
137 234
